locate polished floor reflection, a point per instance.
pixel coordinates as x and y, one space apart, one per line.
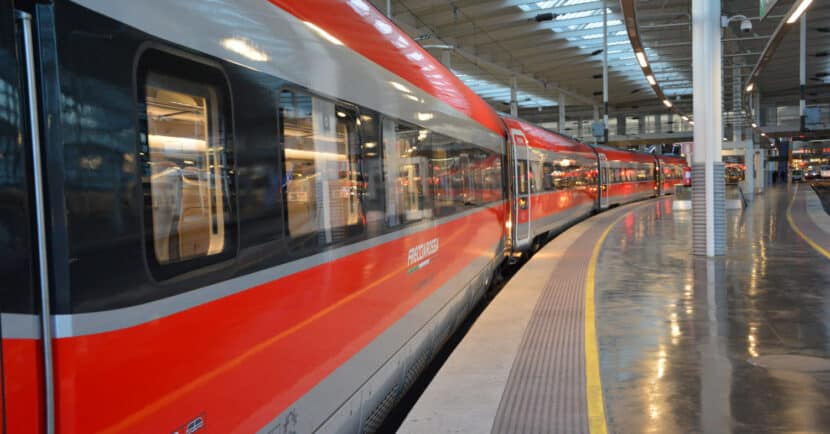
686 343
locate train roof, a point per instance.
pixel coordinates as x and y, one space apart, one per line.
364 29
625 155
541 138
672 159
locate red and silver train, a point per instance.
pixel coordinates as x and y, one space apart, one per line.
253 216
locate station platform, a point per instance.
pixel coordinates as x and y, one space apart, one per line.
615 327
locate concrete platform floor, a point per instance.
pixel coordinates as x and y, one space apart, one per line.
739 344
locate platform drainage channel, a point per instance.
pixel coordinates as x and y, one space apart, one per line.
791 362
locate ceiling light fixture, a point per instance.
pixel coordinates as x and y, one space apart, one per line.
798 11
651 80
667 103
641 58
750 86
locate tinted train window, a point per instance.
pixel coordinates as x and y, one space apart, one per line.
188 171
323 182
407 165
547 177
522 176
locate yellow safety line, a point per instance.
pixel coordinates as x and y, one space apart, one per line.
593 381
809 241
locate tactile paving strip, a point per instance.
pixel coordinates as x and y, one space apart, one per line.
545 392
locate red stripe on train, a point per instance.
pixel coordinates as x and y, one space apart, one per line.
23 384
245 358
358 25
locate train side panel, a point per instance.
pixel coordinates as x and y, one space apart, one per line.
206 285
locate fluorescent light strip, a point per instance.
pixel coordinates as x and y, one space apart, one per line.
651 80
641 58
667 103
798 11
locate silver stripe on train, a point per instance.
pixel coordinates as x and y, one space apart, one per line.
293 51
68 325
20 326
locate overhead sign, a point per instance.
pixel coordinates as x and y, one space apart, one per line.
765 7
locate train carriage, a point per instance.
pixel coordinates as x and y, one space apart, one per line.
249 219
555 184
671 171
625 176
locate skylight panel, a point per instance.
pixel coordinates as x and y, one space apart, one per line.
527 7
499 92
598 24
574 15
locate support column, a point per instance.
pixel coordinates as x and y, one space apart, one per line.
514 102
708 183
389 9
561 111
737 105
760 155
802 68
605 68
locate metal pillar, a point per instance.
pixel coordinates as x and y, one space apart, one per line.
802 65
561 112
514 102
389 9
760 157
737 106
708 183
605 69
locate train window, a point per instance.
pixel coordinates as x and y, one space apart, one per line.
188 171
406 154
323 182
522 176
547 177
448 169
371 169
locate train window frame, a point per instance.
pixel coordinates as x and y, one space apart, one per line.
187 73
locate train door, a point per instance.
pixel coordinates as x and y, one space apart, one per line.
25 347
603 181
659 176
521 206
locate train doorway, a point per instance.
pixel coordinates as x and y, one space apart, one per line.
602 191
521 206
